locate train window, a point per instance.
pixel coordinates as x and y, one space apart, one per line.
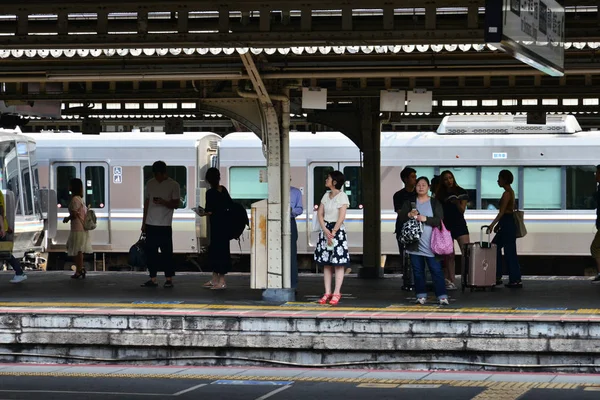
490 191
176 172
581 188
466 178
245 186
542 188
319 177
95 186
27 195
64 174
12 180
353 186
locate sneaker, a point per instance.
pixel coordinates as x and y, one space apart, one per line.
149 284
18 278
421 300
444 302
168 284
596 279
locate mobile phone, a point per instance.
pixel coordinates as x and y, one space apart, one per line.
413 205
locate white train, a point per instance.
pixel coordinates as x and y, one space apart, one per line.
19 175
554 177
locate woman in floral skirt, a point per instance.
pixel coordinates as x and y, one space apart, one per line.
332 248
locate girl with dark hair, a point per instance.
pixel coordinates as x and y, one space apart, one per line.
454 202
430 213
79 241
217 203
332 248
506 233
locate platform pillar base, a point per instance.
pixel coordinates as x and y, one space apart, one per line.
279 295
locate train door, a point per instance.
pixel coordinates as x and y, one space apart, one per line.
95 187
353 187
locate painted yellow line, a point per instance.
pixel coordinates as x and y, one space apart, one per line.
378 385
309 307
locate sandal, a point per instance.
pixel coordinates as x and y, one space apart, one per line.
222 286
335 299
326 297
208 284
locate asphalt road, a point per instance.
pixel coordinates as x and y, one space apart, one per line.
71 388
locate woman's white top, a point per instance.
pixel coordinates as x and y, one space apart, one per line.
331 207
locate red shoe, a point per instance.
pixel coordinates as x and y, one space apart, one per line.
326 297
335 299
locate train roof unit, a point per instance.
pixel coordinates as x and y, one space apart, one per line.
505 124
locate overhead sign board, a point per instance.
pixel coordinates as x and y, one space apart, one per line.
532 31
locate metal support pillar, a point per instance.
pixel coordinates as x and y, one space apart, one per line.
371 179
278 281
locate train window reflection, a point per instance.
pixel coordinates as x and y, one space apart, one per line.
542 188
95 187
466 178
353 186
319 177
491 192
581 188
245 186
176 172
64 174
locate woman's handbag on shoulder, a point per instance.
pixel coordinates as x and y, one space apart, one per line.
411 232
519 217
442 243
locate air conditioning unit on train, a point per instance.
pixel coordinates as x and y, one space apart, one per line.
505 124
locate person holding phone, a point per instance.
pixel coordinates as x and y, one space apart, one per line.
161 198
430 213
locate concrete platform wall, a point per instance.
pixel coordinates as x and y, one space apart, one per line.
218 340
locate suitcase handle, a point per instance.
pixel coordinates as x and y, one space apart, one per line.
483 227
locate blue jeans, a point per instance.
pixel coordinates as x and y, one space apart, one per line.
507 238
435 268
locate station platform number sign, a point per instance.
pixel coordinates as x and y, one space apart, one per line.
118 175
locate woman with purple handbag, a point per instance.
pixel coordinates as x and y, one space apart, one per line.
429 212
454 201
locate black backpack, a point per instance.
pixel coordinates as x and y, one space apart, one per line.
238 220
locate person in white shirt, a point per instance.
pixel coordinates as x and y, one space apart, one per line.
161 198
332 248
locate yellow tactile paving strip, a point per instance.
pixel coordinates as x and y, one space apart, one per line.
301 307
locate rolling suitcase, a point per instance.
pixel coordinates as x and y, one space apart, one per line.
479 264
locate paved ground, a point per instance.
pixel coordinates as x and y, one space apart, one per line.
49 382
123 287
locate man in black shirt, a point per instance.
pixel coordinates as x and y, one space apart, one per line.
595 247
408 193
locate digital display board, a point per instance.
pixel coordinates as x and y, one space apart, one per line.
532 31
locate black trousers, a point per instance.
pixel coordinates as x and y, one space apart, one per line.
294 254
159 237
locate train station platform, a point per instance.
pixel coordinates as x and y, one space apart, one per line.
552 324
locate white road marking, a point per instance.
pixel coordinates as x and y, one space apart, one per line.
190 389
274 392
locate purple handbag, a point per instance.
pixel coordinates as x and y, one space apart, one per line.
442 243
